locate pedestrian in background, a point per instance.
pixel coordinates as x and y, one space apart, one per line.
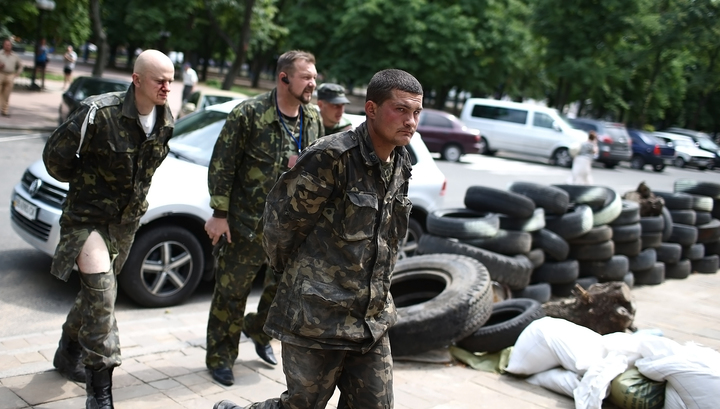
260 140
41 60
333 228
190 78
10 67
108 151
332 101
581 173
70 58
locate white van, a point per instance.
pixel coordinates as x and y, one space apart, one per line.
526 129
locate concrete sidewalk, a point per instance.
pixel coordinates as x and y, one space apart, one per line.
163 362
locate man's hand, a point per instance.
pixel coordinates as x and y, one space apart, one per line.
216 227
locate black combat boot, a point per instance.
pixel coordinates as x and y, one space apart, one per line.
99 389
68 359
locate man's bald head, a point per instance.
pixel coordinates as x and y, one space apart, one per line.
151 59
152 74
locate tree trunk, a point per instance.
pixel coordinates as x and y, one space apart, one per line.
100 39
241 48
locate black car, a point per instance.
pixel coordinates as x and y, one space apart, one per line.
650 150
702 141
613 140
83 87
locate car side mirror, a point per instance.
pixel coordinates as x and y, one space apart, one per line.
556 127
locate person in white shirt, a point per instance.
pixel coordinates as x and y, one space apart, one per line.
70 59
190 78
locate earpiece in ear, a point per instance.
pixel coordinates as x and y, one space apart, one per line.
285 80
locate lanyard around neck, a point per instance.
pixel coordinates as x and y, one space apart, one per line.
298 141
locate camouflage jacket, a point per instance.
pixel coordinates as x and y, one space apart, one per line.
342 126
110 178
250 154
332 233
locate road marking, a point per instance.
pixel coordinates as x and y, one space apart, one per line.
21 137
511 167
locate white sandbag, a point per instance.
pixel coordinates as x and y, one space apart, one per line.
550 342
558 380
595 385
638 345
673 399
693 372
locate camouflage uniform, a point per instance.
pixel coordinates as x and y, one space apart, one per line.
108 183
333 227
250 154
342 126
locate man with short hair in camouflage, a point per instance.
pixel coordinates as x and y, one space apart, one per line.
260 140
331 102
108 151
333 227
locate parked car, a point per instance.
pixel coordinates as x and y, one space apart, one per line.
203 98
83 87
614 143
687 153
650 150
444 133
702 140
525 129
172 252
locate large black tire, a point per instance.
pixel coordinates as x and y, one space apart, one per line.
710 232
440 299
676 201
629 279
667 223
409 245
652 276
702 203
703 218
629 214
487 199
629 249
712 248
610 211
694 252
597 197
669 253
508 319
536 257
643 261
553 245
626 232
651 240
164 267
613 269
679 270
698 188
716 209
592 252
563 290
552 199
572 224
560 272
540 292
462 223
652 224
683 234
684 216
596 235
512 271
706 265
561 157
506 242
530 224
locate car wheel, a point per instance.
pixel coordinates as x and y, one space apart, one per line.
658 168
164 267
610 165
562 158
409 245
484 147
451 153
679 162
637 162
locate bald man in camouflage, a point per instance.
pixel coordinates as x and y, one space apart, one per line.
108 151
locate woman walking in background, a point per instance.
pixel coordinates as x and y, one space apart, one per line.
582 164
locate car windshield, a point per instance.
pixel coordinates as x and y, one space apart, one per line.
684 143
705 143
195 135
650 139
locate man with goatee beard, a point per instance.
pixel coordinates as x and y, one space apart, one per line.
260 140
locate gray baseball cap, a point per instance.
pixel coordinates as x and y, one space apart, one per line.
332 93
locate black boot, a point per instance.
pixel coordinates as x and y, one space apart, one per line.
99 389
68 359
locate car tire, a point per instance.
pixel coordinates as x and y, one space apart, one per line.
702 218
637 162
629 214
650 240
597 197
683 235
676 201
694 252
507 242
560 272
554 200
487 199
679 162
626 232
646 259
706 265
597 235
610 165
702 203
658 168
551 244
531 224
698 188
629 249
612 269
653 276
451 152
652 224
679 270
684 216
561 157
572 224
592 252
462 223
667 223
484 148
669 253
149 279
414 232
540 292
709 232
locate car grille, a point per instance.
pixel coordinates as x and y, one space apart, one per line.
47 193
37 228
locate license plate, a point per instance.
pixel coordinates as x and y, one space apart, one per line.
25 208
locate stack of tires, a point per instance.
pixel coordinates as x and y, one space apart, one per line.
647 271
705 197
626 236
679 247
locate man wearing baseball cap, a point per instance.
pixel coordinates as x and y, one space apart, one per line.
332 101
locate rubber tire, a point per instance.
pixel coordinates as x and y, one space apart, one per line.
651 240
669 253
552 244
451 152
563 290
507 242
652 224
683 216
679 162
462 223
643 261
637 162
703 218
484 148
706 265
561 157
626 233
676 201
683 234
560 272
629 279
597 197
550 198
709 233
531 224
629 214
592 252
151 244
409 245
610 211
712 248
658 168
536 257
667 223
613 269
652 276
508 319
540 292
487 199
679 270
513 271
572 224
694 252
596 235
702 203
586 282
440 299
629 249
697 188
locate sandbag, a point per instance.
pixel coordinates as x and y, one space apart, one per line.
558 380
633 390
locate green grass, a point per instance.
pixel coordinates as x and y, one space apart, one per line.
251 92
48 75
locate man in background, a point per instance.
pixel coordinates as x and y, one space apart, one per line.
332 101
10 67
190 78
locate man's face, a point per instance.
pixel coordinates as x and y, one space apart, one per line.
331 113
154 85
394 121
302 81
7 46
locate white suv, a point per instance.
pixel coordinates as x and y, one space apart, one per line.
172 252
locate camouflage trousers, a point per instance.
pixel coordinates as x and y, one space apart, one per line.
91 320
364 380
233 282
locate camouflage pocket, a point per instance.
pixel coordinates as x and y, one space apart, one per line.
360 216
